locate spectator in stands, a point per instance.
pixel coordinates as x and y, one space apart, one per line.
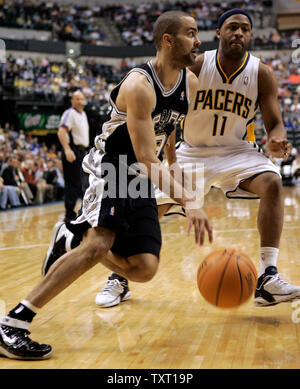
11 178
288 124
45 191
51 153
295 35
50 176
296 123
295 107
9 174
35 146
3 195
8 194
60 179
36 186
2 162
26 193
21 139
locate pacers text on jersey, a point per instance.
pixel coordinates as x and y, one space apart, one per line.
223 100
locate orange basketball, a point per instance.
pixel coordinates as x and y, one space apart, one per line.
226 278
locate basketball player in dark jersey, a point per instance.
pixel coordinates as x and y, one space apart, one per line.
123 232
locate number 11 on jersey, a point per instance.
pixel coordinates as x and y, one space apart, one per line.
216 120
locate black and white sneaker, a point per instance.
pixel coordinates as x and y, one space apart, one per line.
15 343
57 246
115 291
272 290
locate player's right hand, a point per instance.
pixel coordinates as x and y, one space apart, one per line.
279 148
199 219
70 156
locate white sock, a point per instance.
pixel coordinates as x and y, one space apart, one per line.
69 236
28 304
268 257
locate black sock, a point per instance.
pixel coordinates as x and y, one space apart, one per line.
21 312
120 278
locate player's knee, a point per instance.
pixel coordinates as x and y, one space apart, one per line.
95 250
96 244
272 185
146 268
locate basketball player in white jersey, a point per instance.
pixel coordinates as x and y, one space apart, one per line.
123 233
219 132
232 83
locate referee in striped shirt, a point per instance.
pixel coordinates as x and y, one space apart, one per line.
73 134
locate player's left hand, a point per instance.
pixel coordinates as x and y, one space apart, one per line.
199 219
279 148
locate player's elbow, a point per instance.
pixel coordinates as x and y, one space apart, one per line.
147 164
146 158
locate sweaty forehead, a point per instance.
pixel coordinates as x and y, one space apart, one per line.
237 18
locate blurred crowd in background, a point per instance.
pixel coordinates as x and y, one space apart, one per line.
44 80
134 23
30 171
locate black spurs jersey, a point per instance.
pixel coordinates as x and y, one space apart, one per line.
170 108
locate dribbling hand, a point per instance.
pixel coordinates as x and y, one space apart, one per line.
279 148
198 219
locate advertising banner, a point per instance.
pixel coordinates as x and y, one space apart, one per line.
39 123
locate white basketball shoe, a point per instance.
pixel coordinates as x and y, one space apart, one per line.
115 291
272 290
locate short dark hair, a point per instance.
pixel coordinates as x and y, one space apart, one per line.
168 22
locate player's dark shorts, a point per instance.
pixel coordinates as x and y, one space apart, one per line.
134 220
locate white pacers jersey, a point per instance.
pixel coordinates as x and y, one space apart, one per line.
223 109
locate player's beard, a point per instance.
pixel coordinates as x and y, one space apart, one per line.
234 53
181 58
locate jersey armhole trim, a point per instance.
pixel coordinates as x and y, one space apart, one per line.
132 71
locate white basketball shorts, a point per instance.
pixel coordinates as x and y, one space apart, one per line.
223 167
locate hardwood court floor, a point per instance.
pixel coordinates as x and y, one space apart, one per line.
166 323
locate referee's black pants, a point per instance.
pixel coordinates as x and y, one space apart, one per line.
75 182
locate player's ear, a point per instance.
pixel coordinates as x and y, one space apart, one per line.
167 39
218 33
